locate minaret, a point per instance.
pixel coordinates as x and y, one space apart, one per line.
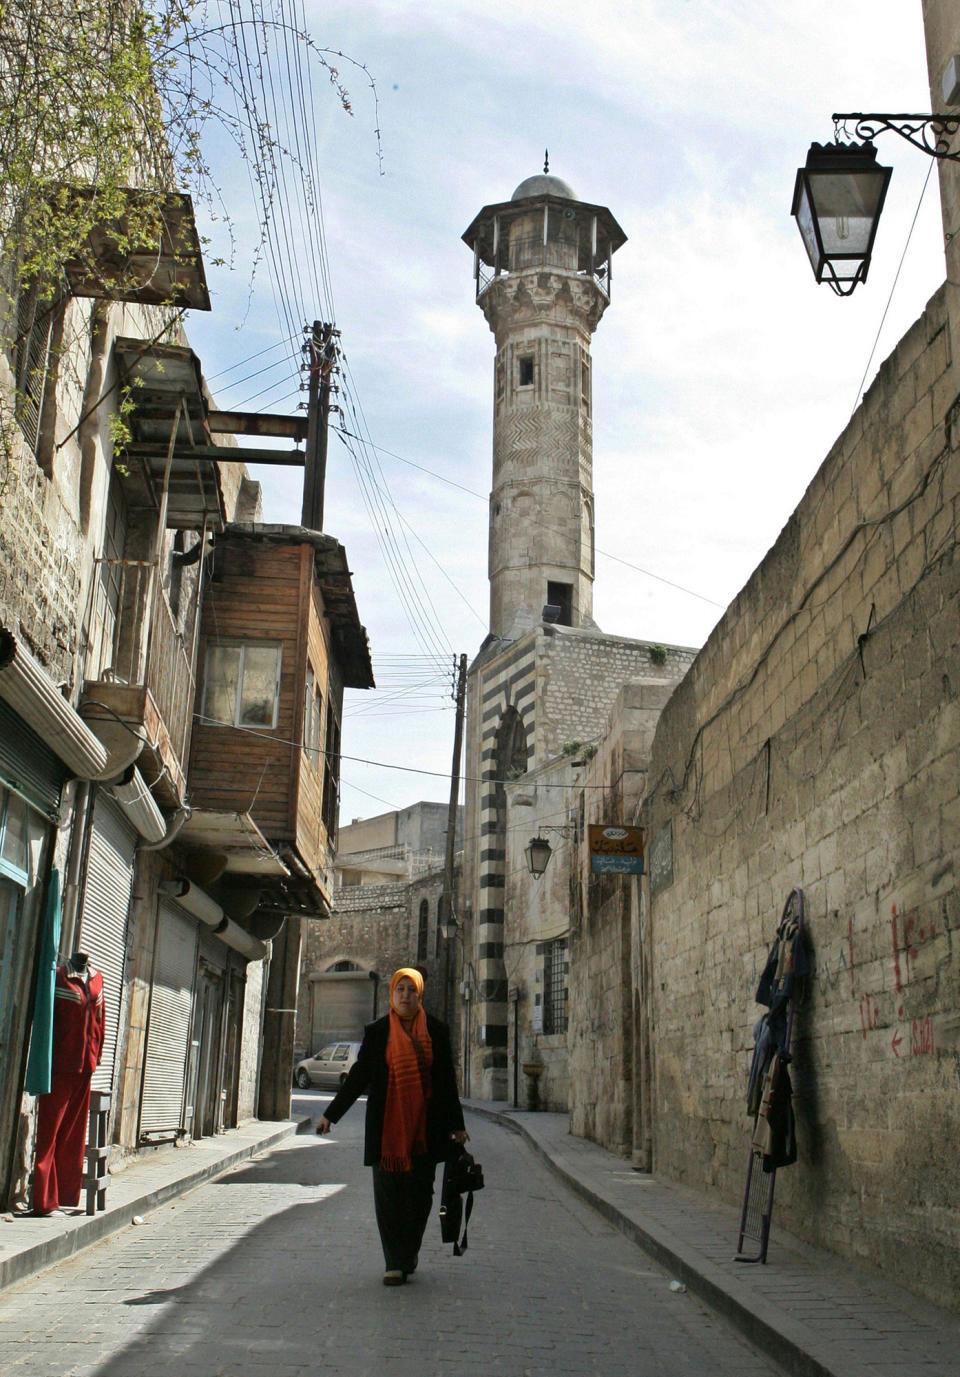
542 265
542 269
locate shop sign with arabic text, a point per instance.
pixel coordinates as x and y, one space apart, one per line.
615 850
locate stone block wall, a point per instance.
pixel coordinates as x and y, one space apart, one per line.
602 955
254 995
579 674
815 743
41 549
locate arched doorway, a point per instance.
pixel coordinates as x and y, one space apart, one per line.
343 999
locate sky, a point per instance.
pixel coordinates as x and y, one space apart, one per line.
722 374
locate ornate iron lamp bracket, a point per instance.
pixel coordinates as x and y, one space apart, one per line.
929 133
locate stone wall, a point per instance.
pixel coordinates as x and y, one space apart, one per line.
41 549
579 674
815 743
602 939
253 1000
562 683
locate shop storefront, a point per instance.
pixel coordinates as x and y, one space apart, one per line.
166 1110
31 779
103 918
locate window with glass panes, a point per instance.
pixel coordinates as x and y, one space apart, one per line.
242 683
312 718
331 782
555 969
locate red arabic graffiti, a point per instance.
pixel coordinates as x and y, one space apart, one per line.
921 1044
869 1014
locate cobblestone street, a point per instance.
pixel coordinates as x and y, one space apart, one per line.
275 1269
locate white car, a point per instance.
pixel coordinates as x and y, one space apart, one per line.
328 1067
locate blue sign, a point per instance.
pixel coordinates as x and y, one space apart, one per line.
616 865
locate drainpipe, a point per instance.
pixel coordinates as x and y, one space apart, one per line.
82 812
173 827
140 807
199 903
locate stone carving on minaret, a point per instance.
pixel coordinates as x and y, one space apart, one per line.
510 301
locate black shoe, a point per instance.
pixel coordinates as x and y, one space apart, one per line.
394 1277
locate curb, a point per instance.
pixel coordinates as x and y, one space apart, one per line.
769 1336
92 1229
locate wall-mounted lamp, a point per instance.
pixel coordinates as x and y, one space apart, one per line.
538 855
539 851
839 192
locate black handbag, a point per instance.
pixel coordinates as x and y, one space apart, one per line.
461 1177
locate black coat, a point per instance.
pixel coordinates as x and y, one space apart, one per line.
368 1076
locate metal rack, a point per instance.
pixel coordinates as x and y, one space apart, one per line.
757 1212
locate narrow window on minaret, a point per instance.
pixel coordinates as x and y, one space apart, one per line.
585 384
525 363
560 597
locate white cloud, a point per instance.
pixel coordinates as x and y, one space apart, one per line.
722 374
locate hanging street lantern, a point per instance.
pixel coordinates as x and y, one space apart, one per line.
538 855
837 200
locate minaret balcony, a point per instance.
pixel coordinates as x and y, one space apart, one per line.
544 232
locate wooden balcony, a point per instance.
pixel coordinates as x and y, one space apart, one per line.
145 680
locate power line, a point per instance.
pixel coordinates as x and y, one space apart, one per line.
893 288
471 492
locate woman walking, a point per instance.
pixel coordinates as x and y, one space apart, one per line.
405 1068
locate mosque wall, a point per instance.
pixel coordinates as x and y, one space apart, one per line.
815 744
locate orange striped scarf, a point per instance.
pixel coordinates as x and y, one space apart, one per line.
409 1059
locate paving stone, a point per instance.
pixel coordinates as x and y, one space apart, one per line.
276 1269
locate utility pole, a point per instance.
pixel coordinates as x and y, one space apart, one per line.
322 349
461 699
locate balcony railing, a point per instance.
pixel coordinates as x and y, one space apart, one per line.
532 252
170 675
134 641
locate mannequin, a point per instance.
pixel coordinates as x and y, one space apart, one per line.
78 1027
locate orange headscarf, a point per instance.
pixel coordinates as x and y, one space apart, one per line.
411 973
409 1059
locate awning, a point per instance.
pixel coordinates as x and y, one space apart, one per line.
29 690
166 388
148 252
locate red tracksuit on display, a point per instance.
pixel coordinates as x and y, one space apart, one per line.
78 1024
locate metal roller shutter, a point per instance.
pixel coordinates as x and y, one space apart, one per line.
168 1030
342 1006
103 918
28 766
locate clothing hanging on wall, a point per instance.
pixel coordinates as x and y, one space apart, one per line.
78 1027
